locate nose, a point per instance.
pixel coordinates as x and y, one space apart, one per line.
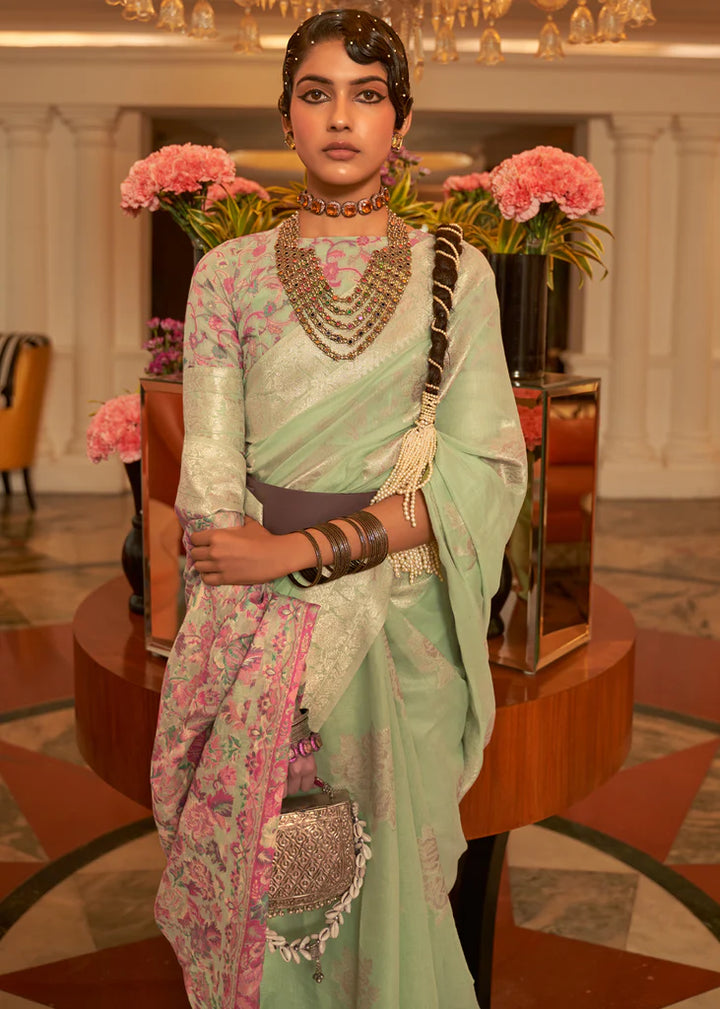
340 114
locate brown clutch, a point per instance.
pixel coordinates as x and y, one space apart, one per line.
314 861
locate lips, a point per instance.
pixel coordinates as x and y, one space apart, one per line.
341 147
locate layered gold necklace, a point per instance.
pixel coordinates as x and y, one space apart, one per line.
355 319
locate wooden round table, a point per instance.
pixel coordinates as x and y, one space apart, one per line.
558 735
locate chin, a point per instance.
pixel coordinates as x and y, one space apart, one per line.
344 180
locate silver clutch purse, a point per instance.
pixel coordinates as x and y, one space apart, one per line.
321 850
314 860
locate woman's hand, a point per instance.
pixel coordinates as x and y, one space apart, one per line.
302 773
240 555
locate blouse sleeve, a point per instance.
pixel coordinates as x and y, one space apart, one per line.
478 483
211 489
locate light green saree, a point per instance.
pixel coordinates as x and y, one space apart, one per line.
396 675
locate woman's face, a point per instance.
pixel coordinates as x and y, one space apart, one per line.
343 121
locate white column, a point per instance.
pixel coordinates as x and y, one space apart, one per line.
95 209
626 449
689 450
26 287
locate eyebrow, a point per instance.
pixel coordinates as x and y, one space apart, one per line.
326 80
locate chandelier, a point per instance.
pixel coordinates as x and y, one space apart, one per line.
607 23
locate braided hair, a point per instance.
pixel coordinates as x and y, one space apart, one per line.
448 246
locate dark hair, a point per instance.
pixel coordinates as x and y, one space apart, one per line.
448 248
367 39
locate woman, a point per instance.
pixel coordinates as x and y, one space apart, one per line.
303 377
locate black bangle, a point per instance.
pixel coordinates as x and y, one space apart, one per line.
314 576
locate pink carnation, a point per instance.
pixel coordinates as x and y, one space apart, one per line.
531 422
466 183
522 183
176 168
238 187
116 428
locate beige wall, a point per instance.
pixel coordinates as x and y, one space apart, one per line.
72 264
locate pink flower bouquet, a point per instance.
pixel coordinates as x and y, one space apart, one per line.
399 163
531 422
116 428
199 188
464 184
537 202
165 343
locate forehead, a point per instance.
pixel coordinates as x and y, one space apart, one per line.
330 60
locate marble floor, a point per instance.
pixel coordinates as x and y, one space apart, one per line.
613 904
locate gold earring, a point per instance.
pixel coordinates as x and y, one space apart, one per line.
397 141
290 140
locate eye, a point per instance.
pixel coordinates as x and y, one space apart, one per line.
313 96
370 96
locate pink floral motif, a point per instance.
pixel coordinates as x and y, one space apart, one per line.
115 428
466 183
215 818
524 182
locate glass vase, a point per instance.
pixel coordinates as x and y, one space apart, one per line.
132 551
521 284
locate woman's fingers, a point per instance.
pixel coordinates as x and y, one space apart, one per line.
301 775
201 538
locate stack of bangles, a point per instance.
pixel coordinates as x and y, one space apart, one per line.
303 742
305 747
373 549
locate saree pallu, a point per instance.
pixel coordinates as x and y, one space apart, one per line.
394 674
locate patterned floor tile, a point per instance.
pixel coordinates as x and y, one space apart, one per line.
645 806
593 906
12 874
10 615
55 927
8 1001
698 840
143 854
710 1000
536 970
144 975
663 927
655 737
52 733
678 673
37 666
681 606
43 600
18 841
119 905
95 808
536 847
706 877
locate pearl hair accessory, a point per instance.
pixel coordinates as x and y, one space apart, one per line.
414 466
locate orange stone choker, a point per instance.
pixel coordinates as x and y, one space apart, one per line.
332 208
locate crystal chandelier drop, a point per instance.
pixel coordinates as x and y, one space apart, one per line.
590 21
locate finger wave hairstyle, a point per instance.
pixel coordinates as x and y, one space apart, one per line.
367 39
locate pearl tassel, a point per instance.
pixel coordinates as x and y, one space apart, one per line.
412 471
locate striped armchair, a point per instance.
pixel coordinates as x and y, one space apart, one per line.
24 364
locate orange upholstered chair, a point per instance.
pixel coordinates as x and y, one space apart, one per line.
23 393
